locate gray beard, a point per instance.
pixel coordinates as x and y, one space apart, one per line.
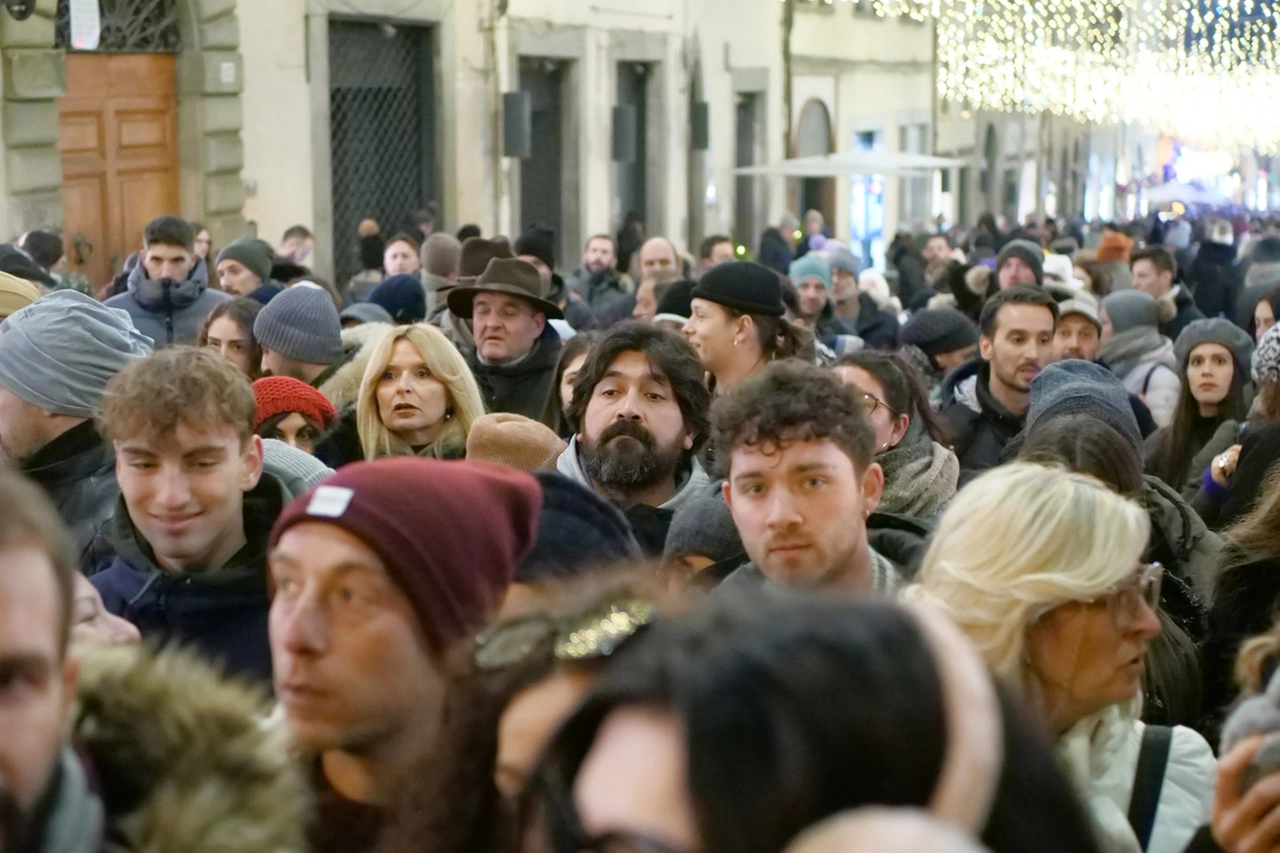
618 466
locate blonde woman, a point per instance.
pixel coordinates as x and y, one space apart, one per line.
417 398
1041 568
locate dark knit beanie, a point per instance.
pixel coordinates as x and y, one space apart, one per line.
703 527
449 533
372 249
677 299
1215 331
301 323
1029 252
277 395
366 312
403 297
939 330
253 254
578 531
540 242
1077 387
743 286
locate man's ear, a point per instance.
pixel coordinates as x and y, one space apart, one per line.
541 320
985 348
727 492
872 487
254 458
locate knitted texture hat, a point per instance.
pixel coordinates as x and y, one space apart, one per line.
577 531
449 533
1266 361
743 286
1077 387
59 353
1214 331
366 312
515 441
939 330
841 259
1131 309
1114 247
15 294
403 297
539 242
703 527
277 395
301 323
811 266
1029 252
253 254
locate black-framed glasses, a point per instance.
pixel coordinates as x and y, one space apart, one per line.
596 634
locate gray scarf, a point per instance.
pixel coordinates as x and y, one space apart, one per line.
1126 350
919 479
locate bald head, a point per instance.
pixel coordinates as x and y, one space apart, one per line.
657 260
441 255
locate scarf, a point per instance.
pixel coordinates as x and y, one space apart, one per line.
919 479
1128 349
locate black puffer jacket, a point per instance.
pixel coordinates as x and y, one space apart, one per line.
980 435
77 470
1216 280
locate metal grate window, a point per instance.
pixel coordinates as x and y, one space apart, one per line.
381 101
128 26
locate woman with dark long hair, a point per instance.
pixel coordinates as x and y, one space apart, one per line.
920 470
1213 366
229 330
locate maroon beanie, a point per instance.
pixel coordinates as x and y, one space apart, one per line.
450 533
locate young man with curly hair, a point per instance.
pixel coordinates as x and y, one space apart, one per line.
801 481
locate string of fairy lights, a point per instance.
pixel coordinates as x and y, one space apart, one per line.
1202 70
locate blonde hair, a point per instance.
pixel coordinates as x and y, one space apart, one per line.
447 365
1020 539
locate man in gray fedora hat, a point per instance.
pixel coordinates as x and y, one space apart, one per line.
516 350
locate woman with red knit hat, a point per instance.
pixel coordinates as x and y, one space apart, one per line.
292 411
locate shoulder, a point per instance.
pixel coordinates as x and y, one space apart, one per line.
1186 798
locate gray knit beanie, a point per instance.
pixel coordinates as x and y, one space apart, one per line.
1214 331
301 323
59 353
253 254
704 527
1027 251
1266 360
1131 309
1077 387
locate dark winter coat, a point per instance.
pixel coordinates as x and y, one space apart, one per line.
1216 280
980 434
910 265
577 313
878 329
1245 604
605 294
1187 314
168 312
223 612
775 251
78 472
524 388
828 325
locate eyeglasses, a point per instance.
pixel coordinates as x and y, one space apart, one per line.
871 402
1125 599
593 635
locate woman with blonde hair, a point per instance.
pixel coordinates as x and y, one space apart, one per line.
1041 568
417 398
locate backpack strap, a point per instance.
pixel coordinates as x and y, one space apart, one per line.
1146 383
1148 780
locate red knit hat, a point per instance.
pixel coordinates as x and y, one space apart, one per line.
279 394
450 533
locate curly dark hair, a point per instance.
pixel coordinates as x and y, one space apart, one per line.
669 355
792 401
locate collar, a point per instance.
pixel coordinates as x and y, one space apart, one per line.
991 407
58 454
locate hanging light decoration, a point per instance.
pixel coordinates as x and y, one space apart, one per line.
1202 70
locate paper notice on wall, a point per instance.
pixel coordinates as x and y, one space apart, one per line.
86 24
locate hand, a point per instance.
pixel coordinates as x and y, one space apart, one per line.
1248 823
1224 465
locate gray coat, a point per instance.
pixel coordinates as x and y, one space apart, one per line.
168 312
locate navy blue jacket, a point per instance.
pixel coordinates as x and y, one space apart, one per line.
222 613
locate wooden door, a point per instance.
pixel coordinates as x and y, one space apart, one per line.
119 142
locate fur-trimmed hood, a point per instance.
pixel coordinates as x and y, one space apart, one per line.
343 387
185 760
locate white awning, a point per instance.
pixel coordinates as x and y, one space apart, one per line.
853 163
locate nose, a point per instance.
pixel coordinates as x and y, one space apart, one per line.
1146 622
173 490
300 628
629 408
781 512
404 384
687 328
123 632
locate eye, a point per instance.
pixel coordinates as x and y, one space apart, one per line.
657 398
387 377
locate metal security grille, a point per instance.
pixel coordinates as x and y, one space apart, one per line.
381 101
128 26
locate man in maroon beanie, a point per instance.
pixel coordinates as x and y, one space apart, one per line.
383 576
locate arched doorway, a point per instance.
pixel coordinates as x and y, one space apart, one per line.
814 138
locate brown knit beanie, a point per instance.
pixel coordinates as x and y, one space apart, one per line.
515 441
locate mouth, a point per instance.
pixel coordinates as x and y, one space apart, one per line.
404 408
175 523
788 549
1207 386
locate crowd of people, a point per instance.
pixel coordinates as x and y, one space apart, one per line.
476 553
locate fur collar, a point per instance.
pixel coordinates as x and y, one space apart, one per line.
343 387
185 759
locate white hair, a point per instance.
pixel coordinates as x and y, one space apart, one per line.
1018 540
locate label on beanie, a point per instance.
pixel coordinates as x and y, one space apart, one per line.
330 501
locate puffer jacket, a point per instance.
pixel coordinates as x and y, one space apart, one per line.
78 472
980 425
167 755
1180 540
168 312
1145 362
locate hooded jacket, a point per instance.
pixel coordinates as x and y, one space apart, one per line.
223 612
524 388
1216 279
78 472
877 328
1144 361
168 312
605 293
167 755
980 436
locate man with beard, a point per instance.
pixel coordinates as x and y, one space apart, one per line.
640 412
988 398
